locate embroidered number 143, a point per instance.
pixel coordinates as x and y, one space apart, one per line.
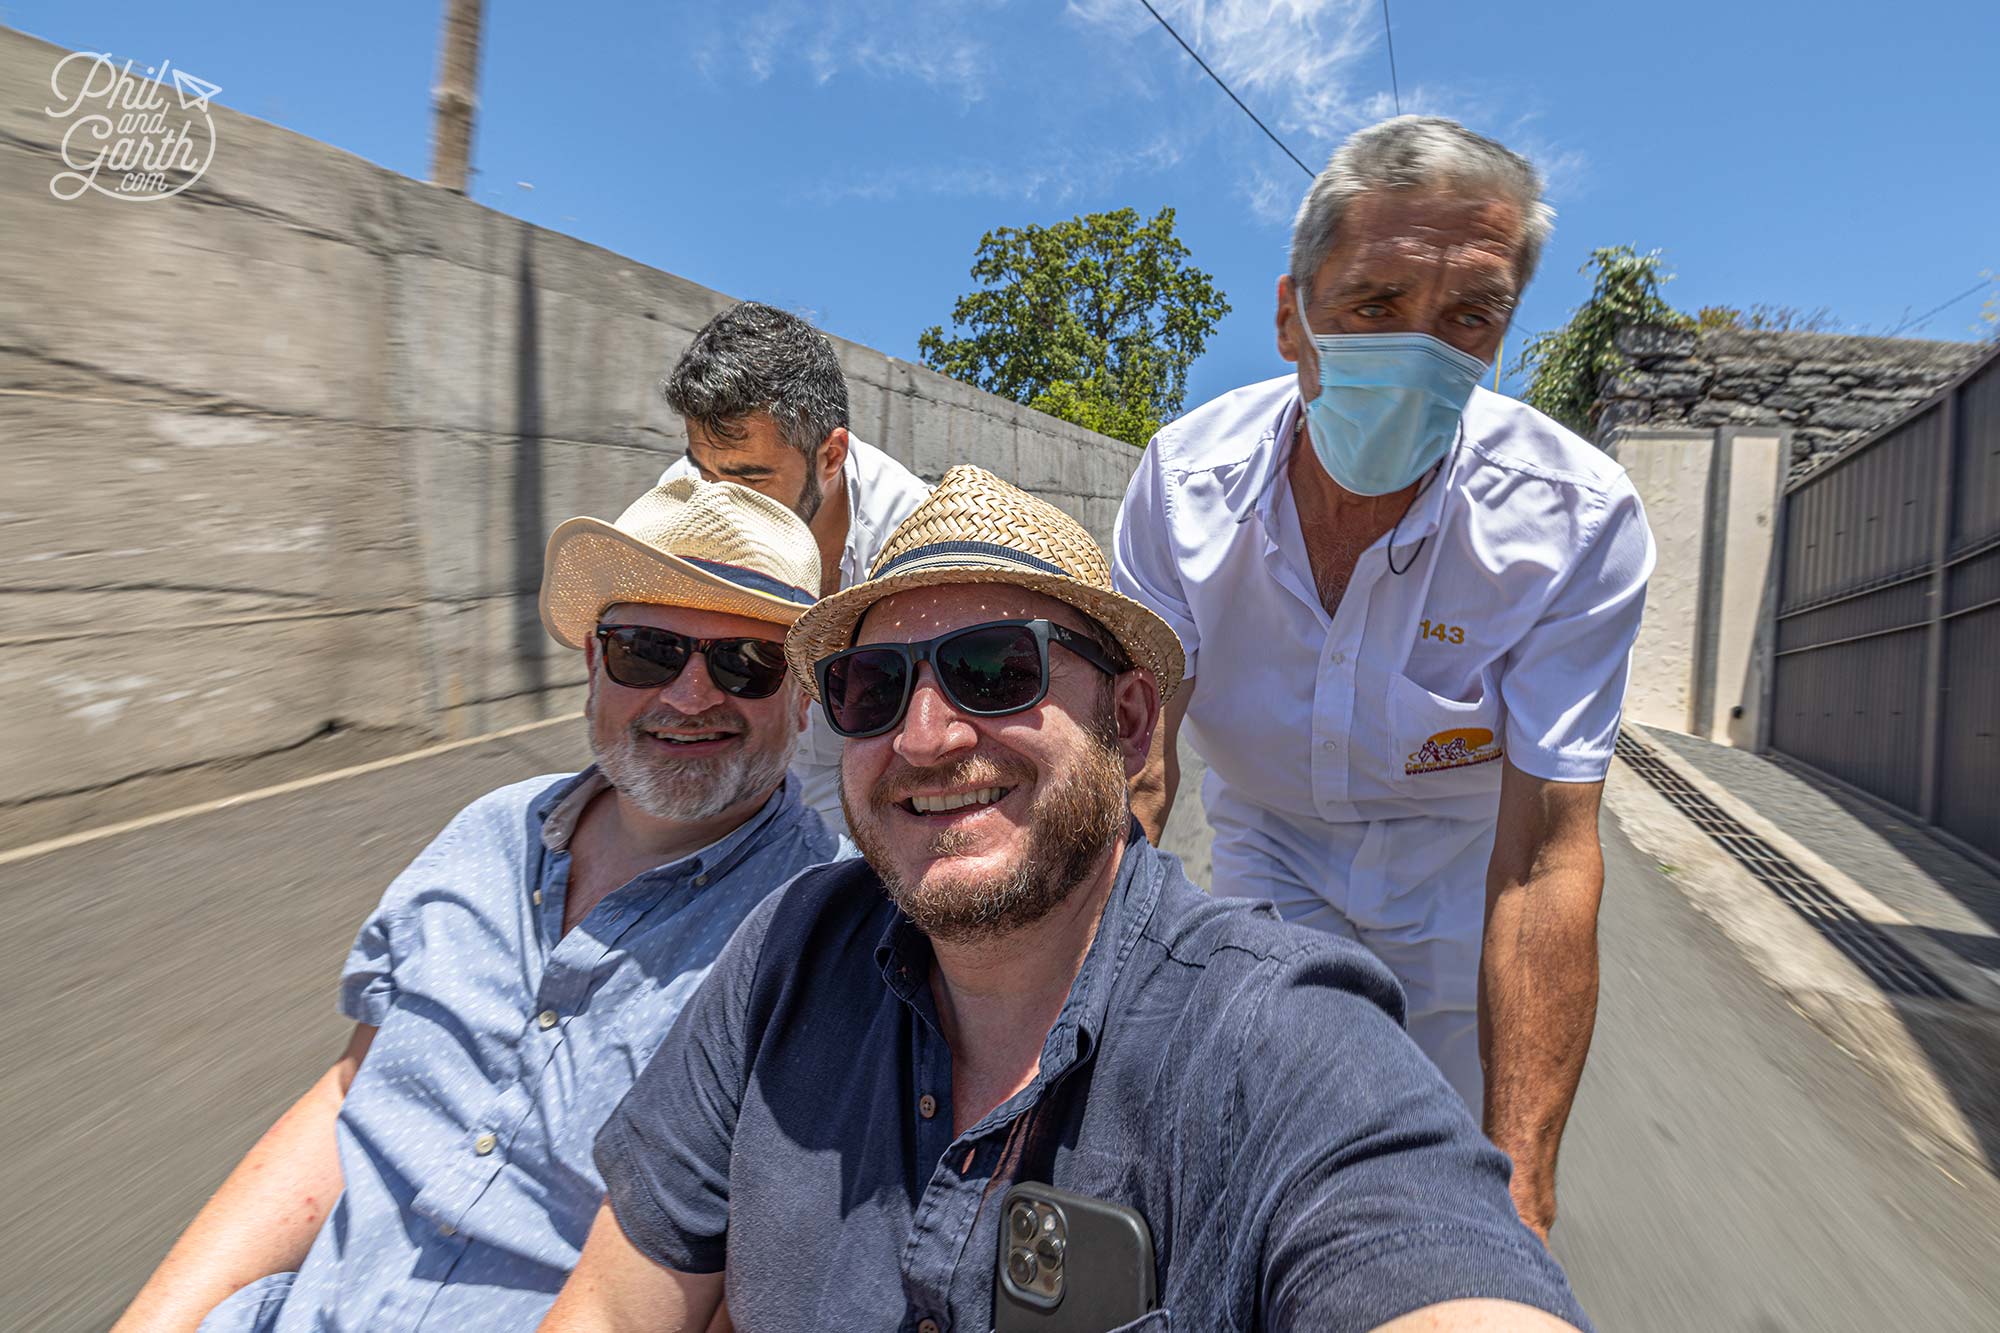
1443 633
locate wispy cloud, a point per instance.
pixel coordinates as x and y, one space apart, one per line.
1305 66
1055 175
932 42
1315 71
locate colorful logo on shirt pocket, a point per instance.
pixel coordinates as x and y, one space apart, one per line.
1460 748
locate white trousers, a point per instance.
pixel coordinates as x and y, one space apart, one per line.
1414 896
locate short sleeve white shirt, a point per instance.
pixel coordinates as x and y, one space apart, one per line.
1361 750
881 493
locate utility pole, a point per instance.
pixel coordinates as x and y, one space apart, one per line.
456 96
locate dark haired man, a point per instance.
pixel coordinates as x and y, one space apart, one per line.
1015 986
765 406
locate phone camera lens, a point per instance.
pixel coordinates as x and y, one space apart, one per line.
1021 1266
1049 1249
1023 1221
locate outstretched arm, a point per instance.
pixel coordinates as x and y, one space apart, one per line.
263 1219
1538 975
1477 1317
615 1288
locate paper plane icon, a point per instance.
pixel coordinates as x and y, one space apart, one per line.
194 93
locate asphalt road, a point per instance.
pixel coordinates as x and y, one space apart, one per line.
169 989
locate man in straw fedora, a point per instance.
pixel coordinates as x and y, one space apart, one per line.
516 977
1015 986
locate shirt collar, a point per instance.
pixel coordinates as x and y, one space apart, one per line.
859 530
1274 451
904 956
559 809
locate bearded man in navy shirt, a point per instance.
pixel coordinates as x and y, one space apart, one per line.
1013 986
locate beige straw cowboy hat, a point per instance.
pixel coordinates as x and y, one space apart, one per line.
975 528
713 546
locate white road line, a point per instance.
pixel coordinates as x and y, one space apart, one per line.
69 840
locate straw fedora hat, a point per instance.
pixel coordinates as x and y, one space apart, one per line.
975 528
713 546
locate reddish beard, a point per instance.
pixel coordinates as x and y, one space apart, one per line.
1071 825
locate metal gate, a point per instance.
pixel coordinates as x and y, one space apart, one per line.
1886 668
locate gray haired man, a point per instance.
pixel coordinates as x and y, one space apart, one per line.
765 406
1408 607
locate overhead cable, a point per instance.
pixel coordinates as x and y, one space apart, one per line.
1225 87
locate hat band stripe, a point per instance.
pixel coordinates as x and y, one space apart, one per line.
990 550
752 579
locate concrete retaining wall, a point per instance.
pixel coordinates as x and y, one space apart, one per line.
281 453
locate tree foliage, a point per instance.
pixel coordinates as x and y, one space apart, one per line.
1095 320
1565 365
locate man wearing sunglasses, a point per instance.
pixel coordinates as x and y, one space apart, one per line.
520 972
765 405
1015 986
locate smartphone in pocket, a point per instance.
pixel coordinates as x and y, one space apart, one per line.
1070 1263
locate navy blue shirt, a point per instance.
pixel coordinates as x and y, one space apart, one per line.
1244 1084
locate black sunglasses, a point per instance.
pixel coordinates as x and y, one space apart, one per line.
641 657
987 670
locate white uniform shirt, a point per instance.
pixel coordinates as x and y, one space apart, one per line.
1354 760
880 494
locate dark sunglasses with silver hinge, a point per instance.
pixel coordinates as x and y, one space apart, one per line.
986 670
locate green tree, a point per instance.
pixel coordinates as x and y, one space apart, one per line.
1095 320
1566 365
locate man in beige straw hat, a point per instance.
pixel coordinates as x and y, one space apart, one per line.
520 972
1015 986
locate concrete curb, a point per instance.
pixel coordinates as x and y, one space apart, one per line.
1934 1057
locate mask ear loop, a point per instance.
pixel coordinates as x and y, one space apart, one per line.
1389 552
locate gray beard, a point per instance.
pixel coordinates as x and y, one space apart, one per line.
1071 826
688 790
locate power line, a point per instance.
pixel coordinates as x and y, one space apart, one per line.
1225 87
1391 36
1939 309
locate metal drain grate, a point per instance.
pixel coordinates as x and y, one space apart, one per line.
1860 940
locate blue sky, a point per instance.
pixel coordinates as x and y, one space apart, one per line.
843 158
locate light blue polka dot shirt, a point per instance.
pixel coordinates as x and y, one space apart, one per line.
465 1142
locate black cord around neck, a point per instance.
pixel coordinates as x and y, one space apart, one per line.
1437 474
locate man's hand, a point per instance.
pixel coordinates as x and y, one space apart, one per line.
1538 975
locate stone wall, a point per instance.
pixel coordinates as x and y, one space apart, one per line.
281 454
1830 390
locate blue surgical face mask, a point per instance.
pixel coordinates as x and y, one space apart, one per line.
1388 406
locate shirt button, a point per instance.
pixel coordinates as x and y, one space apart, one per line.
538 897
447 1229
927 1106
928 1326
546 1018
484 1144
700 880
1339 659
1330 745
